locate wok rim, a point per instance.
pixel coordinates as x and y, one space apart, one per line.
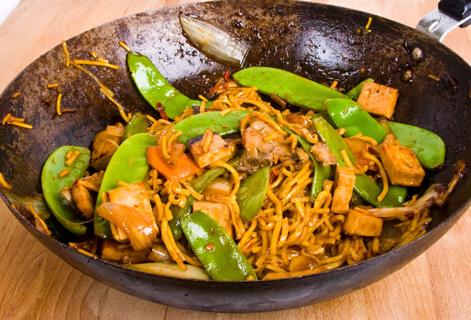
445 224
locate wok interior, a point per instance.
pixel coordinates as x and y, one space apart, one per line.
317 42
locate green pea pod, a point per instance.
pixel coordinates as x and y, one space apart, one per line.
252 193
128 165
354 93
137 124
347 114
199 184
288 86
155 88
365 186
321 172
428 146
216 250
195 125
53 184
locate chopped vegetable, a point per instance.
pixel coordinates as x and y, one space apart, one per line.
354 93
428 146
183 166
170 270
252 193
53 184
288 86
378 99
155 88
400 163
346 114
195 125
137 124
217 211
128 165
215 249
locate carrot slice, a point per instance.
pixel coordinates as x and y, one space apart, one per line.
181 167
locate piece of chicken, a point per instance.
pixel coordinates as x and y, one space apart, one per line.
378 99
264 144
359 223
218 211
105 144
322 154
218 149
130 212
81 193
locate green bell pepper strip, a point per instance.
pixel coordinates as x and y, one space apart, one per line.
428 146
347 114
155 88
252 192
128 165
321 172
137 124
365 186
354 93
53 184
216 250
199 184
195 125
290 87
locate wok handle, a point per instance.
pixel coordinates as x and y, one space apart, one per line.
449 15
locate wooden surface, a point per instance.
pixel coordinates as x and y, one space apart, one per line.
36 284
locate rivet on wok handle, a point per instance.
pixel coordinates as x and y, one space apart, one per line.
449 15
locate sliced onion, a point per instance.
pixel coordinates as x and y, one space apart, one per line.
428 199
170 270
138 226
214 42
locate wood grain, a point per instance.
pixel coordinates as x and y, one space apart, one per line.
35 284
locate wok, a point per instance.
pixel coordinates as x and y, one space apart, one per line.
316 41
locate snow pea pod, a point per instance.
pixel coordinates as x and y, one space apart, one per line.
347 114
428 146
128 165
321 172
57 175
155 88
354 93
137 124
199 184
288 86
252 193
216 250
195 125
365 186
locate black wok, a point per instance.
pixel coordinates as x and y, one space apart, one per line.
316 41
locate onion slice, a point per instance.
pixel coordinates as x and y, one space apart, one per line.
214 42
170 270
138 226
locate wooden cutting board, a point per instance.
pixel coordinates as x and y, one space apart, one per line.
35 284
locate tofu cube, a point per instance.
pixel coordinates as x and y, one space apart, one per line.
400 163
378 99
218 211
344 180
358 223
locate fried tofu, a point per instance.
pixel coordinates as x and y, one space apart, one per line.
219 150
400 163
218 211
344 180
362 224
378 99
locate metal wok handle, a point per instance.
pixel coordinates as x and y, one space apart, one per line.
449 15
